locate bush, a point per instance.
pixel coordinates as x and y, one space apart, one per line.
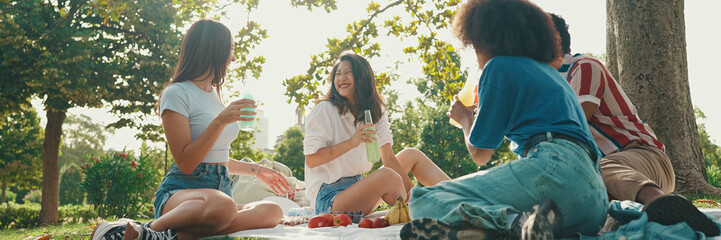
119 185
70 191
713 175
34 196
10 196
15 215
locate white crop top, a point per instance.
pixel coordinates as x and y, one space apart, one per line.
200 107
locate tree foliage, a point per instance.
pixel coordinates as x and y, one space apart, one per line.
242 146
20 149
444 144
417 20
82 138
711 151
290 151
70 190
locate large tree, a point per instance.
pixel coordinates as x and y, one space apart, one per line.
96 53
646 50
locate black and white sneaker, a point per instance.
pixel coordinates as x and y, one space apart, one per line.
146 233
544 223
110 230
672 209
433 229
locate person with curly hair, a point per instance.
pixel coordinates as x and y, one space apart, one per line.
555 188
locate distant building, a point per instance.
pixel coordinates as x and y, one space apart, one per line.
300 121
300 118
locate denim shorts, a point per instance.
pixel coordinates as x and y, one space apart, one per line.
327 192
204 176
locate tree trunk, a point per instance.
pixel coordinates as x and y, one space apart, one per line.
51 146
4 186
646 51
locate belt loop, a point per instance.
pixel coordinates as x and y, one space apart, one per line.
549 136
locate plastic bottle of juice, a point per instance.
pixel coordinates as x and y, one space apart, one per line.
466 96
371 148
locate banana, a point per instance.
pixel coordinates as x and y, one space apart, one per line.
394 214
405 215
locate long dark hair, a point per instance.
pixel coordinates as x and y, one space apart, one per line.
205 52
366 96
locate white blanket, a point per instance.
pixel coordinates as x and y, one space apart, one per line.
354 232
303 232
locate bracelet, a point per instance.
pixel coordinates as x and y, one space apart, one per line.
256 171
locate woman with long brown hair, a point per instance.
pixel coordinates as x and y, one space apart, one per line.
335 160
195 198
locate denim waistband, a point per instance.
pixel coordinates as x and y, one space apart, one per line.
549 136
204 168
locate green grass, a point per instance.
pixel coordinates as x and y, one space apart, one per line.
67 231
73 231
705 201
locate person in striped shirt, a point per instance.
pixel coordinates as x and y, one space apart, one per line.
634 166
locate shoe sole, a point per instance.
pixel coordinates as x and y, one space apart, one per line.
673 209
432 229
544 222
104 226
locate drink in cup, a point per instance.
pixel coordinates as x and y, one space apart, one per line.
247 125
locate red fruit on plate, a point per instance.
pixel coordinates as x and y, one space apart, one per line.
328 219
317 221
342 220
366 223
379 222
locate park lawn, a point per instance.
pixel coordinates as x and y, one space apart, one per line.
72 231
83 230
66 231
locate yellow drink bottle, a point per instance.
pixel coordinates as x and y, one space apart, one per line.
466 96
371 148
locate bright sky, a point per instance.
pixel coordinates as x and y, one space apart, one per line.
295 34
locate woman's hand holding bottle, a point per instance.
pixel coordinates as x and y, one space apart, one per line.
460 112
362 135
235 110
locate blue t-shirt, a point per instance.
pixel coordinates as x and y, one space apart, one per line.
520 97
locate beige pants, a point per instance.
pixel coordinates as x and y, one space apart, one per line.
627 171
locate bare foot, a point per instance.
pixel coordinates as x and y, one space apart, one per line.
130 232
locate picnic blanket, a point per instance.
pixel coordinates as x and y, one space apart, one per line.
638 228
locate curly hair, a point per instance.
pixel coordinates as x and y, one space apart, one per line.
562 29
507 28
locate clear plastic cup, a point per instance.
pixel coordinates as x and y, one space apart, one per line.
371 148
247 125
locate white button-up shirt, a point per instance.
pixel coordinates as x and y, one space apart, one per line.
326 127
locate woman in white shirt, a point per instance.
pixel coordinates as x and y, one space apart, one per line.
195 198
334 157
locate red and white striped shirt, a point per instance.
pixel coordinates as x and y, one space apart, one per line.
615 122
